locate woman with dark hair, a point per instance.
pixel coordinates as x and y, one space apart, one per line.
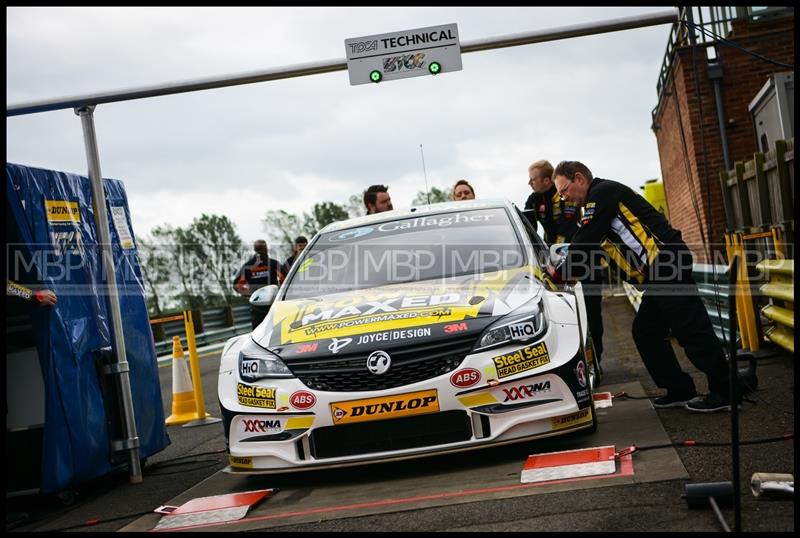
462 190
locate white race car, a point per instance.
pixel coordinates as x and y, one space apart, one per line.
405 334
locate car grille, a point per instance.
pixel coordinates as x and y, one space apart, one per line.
410 364
396 434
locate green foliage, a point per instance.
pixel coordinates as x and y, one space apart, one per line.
281 227
191 267
322 214
436 196
215 253
355 206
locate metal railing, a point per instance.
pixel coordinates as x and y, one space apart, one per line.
706 26
780 310
212 325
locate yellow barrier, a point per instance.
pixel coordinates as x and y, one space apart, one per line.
780 287
745 312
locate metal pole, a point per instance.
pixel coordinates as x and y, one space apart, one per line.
315 68
121 368
733 395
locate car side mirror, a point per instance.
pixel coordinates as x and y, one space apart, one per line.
558 251
264 296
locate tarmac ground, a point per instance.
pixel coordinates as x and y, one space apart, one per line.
477 490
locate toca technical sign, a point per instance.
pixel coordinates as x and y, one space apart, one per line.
409 53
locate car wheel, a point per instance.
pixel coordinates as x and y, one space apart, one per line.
595 371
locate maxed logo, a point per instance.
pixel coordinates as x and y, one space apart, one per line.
465 378
398 405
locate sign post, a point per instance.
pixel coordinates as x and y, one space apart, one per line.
410 53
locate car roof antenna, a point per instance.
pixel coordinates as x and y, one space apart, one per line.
427 192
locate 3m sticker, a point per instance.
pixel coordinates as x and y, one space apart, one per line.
573 419
397 405
522 360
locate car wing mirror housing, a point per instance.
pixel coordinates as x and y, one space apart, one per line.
264 296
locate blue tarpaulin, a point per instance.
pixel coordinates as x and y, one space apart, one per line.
55 222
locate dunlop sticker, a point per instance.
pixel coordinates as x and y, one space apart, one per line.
62 211
245 462
522 360
251 396
573 419
398 405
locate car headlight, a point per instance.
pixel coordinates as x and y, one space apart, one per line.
255 362
526 323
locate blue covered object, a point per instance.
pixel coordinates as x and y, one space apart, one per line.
54 217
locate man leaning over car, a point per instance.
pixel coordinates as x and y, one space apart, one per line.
648 252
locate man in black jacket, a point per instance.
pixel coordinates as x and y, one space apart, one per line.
300 243
639 242
258 271
559 219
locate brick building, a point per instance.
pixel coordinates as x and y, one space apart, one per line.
686 121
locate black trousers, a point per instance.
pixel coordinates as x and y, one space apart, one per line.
683 313
594 316
258 313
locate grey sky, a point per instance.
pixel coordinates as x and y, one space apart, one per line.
290 143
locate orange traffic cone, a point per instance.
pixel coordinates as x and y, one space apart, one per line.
184 407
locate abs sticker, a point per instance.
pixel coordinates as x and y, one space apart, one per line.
573 419
252 396
302 399
522 360
465 378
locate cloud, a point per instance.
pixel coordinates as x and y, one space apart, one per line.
290 143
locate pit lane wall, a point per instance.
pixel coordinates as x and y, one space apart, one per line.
58 245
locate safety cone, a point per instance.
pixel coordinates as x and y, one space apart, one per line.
184 407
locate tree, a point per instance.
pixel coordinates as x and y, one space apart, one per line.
355 206
436 196
281 228
155 255
215 250
322 214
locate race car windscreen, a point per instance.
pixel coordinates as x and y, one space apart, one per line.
417 248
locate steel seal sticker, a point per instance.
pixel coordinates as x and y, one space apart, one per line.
253 396
397 405
572 419
522 360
